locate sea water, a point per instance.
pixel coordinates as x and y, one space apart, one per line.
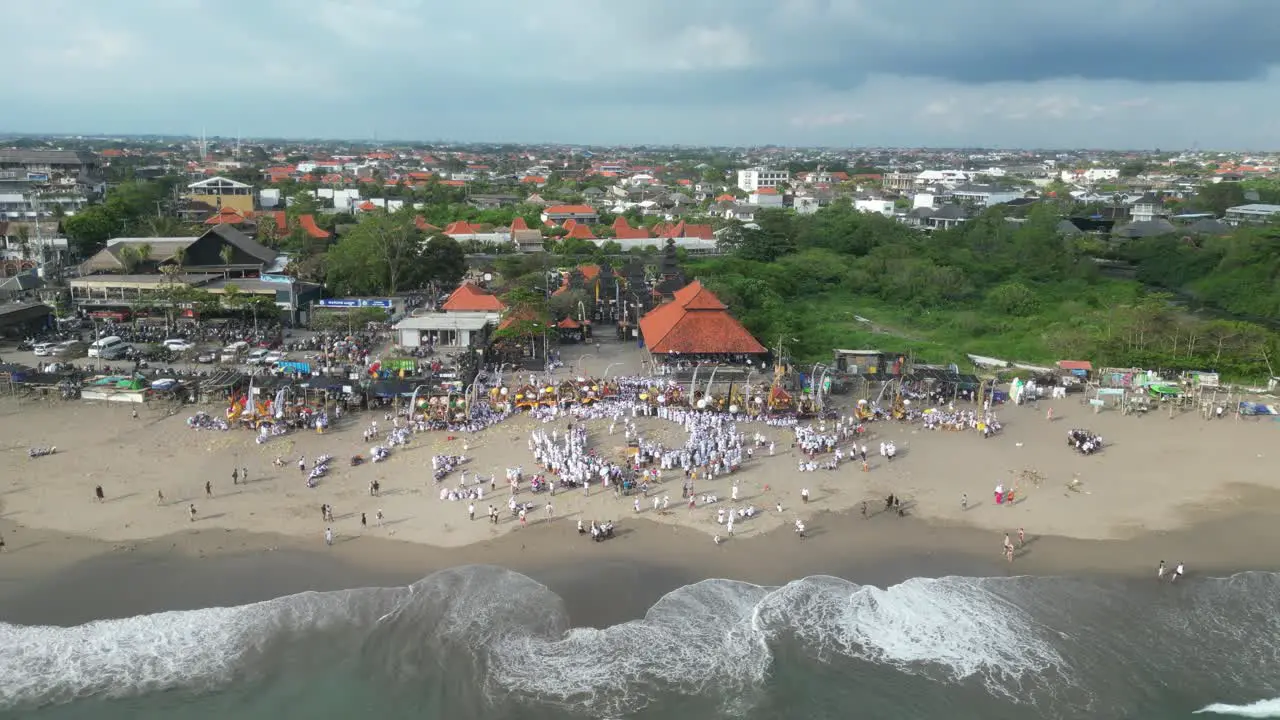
484 642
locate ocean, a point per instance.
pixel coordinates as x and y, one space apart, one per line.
485 642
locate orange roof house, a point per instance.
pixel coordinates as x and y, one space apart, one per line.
367 206
519 224
226 215
695 322
308 225
422 224
460 227
623 230
580 231
469 298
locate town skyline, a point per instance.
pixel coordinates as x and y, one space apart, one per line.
794 74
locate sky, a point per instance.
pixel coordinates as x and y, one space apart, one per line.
1122 74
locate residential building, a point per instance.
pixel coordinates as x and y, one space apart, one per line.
220 192
739 212
898 181
752 179
765 197
983 195
559 213
1251 214
43 166
1090 175
874 205
806 205
1148 208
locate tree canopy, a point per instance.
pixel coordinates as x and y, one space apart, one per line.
991 286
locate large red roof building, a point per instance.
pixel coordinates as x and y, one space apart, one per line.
695 322
469 298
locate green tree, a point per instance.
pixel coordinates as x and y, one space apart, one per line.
444 259
381 255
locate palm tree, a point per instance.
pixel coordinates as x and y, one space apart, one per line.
227 253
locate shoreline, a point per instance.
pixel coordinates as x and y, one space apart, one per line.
44 576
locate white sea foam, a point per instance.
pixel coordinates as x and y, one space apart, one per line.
709 639
950 623
1260 709
148 653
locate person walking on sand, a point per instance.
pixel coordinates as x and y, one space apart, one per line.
550 510
302 464
235 476
328 536
364 522
160 497
471 511
1160 569
378 517
1008 544
1177 573
964 501
191 510
1022 537
804 495
523 517
99 494
1049 415
208 488
1008 553
244 475
864 509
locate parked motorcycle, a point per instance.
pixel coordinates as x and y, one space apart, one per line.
36 452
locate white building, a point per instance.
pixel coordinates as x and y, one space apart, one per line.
874 205
984 195
1090 175
943 177
765 197
805 205
752 179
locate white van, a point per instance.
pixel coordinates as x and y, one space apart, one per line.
110 341
232 352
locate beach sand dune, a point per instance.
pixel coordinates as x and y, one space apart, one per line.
1156 473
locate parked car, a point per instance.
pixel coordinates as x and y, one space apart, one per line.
117 352
256 357
43 349
207 357
179 344
272 358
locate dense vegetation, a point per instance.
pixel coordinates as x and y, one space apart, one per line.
1017 291
1238 273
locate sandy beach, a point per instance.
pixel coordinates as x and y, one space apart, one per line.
1156 474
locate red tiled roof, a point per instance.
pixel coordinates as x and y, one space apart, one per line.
469 298
581 232
459 227
1075 365
279 217
766 191
308 225
623 230
453 183
519 224
423 225
702 232
696 322
225 216
568 324
589 272
534 179
570 210
367 206
726 197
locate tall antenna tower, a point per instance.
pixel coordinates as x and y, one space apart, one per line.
204 146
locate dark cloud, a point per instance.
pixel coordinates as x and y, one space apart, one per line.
988 41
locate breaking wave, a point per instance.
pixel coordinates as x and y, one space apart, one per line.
715 638
1260 709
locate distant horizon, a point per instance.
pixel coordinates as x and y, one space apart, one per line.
400 142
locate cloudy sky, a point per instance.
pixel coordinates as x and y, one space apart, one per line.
997 73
